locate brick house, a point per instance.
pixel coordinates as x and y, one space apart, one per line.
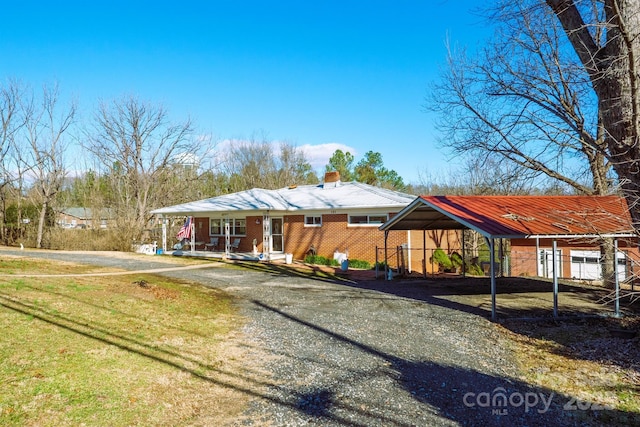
80 217
332 217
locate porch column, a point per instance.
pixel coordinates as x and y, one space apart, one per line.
555 277
193 234
266 236
227 237
492 269
164 234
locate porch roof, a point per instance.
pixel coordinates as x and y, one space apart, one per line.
340 195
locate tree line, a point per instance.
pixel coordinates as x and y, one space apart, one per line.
550 104
129 158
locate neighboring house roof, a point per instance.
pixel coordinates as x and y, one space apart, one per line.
335 195
85 213
518 216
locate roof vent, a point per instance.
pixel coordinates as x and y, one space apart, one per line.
331 179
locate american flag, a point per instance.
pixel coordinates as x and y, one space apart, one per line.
185 230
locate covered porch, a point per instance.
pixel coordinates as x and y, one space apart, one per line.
225 236
220 254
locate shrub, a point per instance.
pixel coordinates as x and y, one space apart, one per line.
320 260
456 259
359 263
442 259
475 269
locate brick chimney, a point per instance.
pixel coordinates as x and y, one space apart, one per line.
331 179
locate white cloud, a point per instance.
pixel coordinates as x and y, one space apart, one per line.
318 155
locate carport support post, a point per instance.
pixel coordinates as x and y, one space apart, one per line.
464 262
555 278
386 258
424 253
492 269
615 272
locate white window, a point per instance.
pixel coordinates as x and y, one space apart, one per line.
237 227
367 219
312 220
216 227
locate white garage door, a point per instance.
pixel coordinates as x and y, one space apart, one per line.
586 265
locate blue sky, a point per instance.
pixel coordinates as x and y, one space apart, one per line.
321 75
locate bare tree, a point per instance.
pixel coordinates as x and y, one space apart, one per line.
523 100
605 36
11 121
46 128
259 163
136 145
527 99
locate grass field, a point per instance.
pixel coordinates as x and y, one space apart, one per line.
114 350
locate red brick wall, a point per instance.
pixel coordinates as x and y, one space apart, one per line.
335 235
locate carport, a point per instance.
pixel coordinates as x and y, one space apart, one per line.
520 217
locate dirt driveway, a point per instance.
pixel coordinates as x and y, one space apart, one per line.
362 353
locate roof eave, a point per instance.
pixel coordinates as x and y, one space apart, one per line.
580 236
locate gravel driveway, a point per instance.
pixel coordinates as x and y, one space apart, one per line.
363 354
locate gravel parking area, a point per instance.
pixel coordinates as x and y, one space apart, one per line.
363 353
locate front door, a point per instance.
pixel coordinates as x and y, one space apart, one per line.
277 235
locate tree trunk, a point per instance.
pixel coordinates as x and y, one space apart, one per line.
614 70
41 221
608 262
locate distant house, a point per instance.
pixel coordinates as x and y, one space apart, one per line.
332 217
79 217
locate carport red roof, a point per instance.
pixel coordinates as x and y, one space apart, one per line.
518 216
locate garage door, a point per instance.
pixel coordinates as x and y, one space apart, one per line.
586 265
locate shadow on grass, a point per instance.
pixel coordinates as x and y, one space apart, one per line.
457 394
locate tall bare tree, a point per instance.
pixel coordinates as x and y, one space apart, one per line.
524 100
605 36
136 144
260 163
529 99
46 133
11 121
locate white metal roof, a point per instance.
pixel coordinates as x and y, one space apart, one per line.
340 195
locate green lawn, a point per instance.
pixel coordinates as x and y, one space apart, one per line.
113 350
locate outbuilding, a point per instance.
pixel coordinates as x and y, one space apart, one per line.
539 228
